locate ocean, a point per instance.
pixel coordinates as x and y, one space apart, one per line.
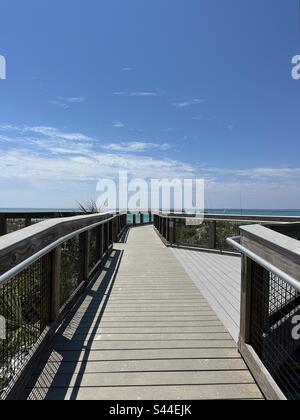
235 212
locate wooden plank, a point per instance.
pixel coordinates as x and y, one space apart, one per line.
157 393
87 329
114 379
135 350
150 336
223 298
112 325
152 365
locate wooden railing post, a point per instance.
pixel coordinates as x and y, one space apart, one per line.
142 218
167 229
115 230
212 235
27 221
104 238
172 227
119 225
55 284
3 225
98 242
174 231
84 244
101 243
111 235
245 325
134 219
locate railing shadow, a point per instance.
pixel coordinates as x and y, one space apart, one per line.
123 238
57 366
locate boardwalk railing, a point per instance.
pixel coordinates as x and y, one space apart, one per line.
13 221
43 270
212 233
270 307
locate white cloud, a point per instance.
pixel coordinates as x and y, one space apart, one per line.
255 174
44 157
190 102
73 99
25 165
66 101
126 68
52 132
46 140
9 127
138 94
5 139
119 124
144 94
135 147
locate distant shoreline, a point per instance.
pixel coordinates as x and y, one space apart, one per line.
235 212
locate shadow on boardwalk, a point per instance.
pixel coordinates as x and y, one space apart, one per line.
74 361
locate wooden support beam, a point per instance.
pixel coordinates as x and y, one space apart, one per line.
101 242
3 225
245 325
55 284
212 235
84 244
28 221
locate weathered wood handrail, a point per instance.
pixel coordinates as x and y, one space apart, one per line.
22 244
270 299
29 216
44 269
231 217
214 233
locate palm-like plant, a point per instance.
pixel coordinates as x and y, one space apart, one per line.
89 207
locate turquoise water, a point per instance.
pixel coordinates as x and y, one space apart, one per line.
146 218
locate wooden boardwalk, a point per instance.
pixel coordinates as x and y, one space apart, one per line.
142 331
218 277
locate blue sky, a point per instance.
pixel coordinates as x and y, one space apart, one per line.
162 88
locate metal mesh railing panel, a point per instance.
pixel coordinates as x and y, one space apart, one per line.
25 313
94 256
197 235
275 305
70 269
